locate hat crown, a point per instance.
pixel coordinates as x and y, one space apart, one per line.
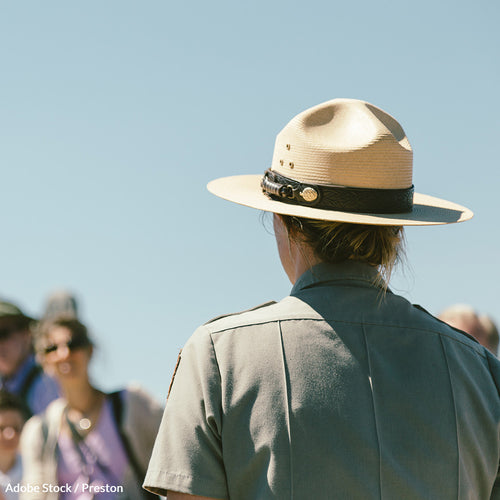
345 142
344 160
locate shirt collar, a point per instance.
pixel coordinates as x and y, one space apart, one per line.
347 272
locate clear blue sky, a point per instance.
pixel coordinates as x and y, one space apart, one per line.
114 115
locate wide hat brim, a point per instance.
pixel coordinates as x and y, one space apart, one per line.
427 210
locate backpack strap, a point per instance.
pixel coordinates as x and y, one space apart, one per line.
140 474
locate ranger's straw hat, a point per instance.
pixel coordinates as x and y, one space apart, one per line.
344 160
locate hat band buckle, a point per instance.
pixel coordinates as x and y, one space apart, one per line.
337 198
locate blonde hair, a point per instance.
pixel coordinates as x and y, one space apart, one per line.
379 246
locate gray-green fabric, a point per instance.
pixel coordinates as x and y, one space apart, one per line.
336 392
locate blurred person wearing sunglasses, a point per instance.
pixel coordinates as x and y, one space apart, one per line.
87 441
20 374
13 415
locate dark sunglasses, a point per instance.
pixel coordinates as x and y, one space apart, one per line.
72 345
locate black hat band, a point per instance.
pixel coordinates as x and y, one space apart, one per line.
338 198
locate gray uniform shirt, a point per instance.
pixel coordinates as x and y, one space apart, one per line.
336 392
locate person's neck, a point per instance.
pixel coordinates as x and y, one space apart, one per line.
81 396
7 461
303 258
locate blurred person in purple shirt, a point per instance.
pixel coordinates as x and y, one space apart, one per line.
87 444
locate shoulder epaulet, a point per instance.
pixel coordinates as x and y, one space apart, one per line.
265 304
494 367
420 308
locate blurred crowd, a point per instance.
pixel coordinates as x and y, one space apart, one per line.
61 437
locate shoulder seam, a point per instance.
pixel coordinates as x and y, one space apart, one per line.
420 308
359 323
265 304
